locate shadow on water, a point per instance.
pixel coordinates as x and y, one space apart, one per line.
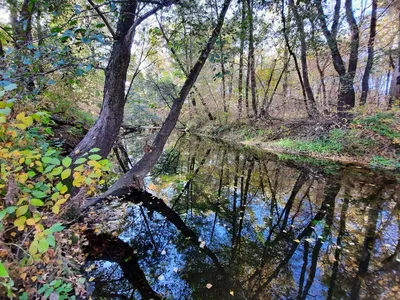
219 222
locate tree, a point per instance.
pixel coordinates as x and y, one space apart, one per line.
105 131
346 97
370 59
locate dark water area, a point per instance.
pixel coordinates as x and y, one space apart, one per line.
230 223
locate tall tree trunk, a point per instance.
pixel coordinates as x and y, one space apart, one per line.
242 39
346 98
303 56
370 59
223 71
134 178
285 34
251 58
247 86
105 131
395 84
263 111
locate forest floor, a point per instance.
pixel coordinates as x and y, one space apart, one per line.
372 141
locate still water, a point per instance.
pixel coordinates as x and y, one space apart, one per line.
235 223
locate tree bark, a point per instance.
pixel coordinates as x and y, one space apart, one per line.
395 84
252 59
370 59
285 34
134 178
346 98
242 39
105 131
303 56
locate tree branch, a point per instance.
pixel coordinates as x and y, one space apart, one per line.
97 9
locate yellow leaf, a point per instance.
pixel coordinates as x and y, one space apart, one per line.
61 202
297 241
33 278
20 116
21 160
64 189
22 178
20 126
91 279
94 164
21 211
30 221
28 121
65 174
232 293
56 209
23 276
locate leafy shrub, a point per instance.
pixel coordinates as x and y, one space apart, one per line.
386 124
35 184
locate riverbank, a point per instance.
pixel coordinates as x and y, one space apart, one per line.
367 141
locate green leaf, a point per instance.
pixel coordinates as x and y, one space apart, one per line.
5 111
39 194
95 157
94 150
10 87
43 245
8 210
48 169
57 171
80 161
51 240
3 271
33 248
51 160
22 210
50 152
43 288
37 202
56 227
65 174
67 162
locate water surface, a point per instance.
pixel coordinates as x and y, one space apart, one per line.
242 224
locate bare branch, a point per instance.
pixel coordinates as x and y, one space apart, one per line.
97 9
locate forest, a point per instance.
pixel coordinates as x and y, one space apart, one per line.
210 149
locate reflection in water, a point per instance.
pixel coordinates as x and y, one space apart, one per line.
224 223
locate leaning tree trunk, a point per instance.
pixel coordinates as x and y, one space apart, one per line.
105 131
134 178
370 59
